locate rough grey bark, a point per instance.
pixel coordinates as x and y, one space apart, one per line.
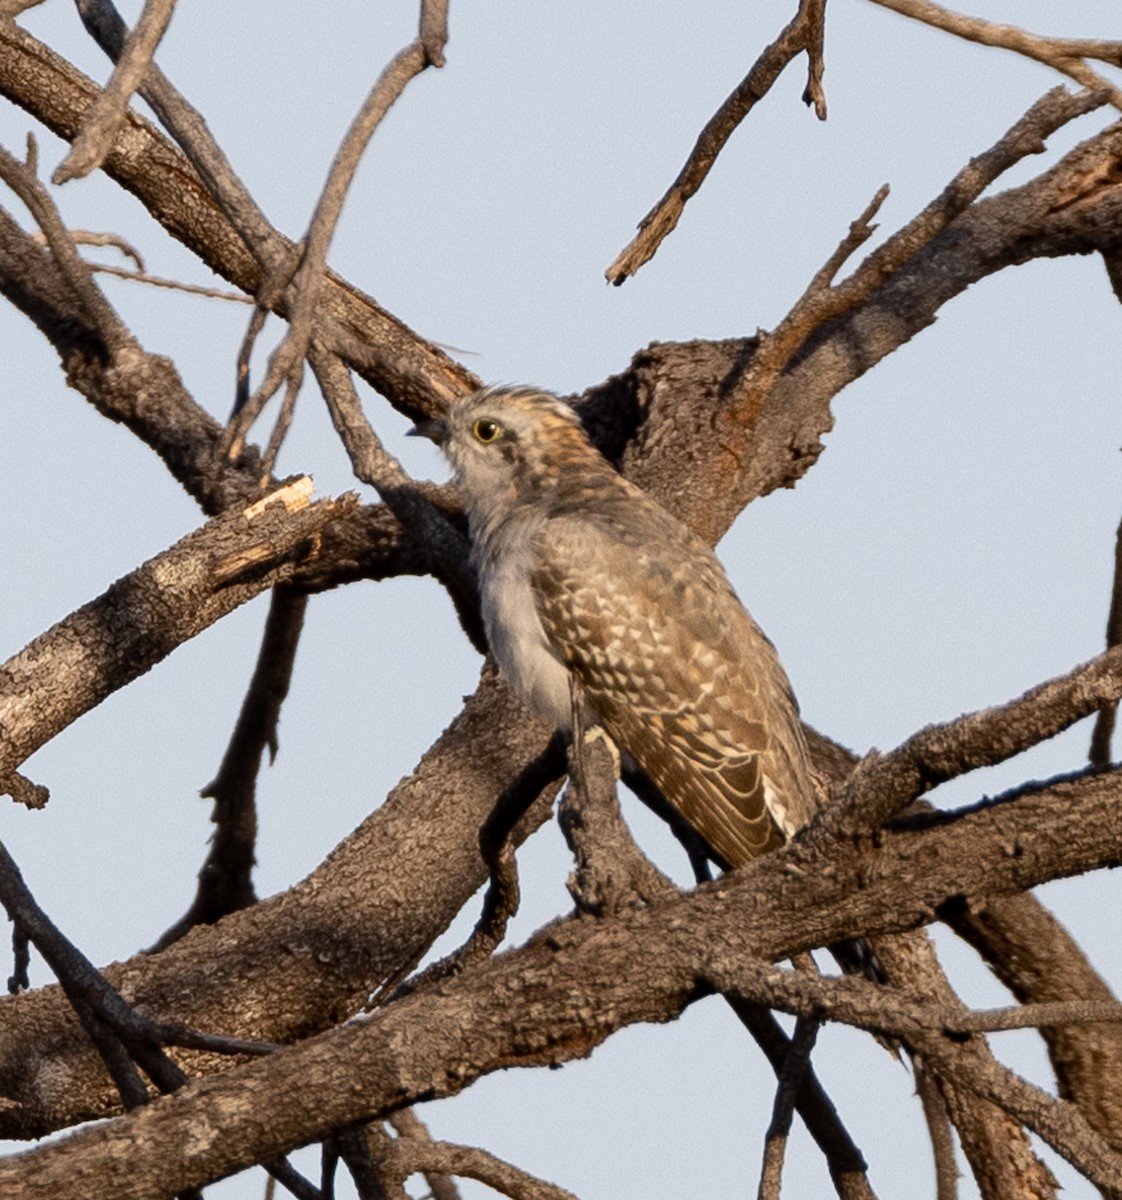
303 962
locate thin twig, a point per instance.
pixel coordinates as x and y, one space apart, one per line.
814 94
286 363
856 1001
192 289
107 113
187 126
790 1081
1064 54
226 878
328 1162
1103 733
804 32
20 177
89 237
939 1131
445 546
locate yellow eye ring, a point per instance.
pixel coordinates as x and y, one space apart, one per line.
486 430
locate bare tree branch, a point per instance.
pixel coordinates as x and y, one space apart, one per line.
445 546
226 878
175 285
105 118
406 1124
187 127
123 1038
1064 54
939 1130
883 785
415 375
790 1081
822 302
1103 733
434 30
87 237
409 1155
286 362
21 179
803 33
486 1020
144 616
1037 959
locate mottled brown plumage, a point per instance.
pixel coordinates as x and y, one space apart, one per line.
584 575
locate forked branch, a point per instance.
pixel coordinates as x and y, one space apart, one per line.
805 32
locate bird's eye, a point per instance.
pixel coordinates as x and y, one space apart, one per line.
486 431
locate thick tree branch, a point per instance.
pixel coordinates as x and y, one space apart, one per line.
579 981
143 617
298 963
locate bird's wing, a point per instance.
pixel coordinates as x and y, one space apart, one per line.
679 674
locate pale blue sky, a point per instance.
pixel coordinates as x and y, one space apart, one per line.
952 547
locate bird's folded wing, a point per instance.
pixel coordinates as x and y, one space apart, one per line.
681 678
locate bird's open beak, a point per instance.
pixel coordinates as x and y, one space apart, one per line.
434 430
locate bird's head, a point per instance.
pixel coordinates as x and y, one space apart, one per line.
509 445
